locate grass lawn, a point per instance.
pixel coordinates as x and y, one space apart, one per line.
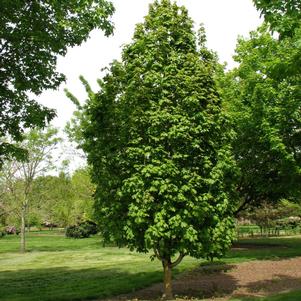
58 268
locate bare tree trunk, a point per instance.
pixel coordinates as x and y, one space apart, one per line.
167 280
23 228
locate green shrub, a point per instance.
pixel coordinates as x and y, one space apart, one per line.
90 227
81 230
2 232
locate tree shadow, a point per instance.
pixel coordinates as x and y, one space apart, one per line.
204 282
64 283
279 283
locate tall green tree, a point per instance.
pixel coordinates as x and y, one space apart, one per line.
33 33
263 95
19 176
157 142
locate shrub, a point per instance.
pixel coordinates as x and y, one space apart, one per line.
2 232
81 230
289 222
10 230
90 226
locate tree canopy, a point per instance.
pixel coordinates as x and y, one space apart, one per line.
33 34
156 139
263 96
283 16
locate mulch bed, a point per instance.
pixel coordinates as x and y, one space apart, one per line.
220 282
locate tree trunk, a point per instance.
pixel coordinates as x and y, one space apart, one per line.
23 228
167 294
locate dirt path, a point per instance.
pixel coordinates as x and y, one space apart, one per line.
220 282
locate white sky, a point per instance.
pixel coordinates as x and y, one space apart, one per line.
224 20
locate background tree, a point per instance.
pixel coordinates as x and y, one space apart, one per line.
283 16
33 34
83 190
52 199
156 140
64 199
263 97
19 176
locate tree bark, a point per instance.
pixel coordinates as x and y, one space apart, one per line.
167 267
23 228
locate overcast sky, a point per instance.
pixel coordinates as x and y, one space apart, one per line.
224 20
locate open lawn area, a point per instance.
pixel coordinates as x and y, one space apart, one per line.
58 268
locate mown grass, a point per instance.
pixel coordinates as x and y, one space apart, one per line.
58 268
280 247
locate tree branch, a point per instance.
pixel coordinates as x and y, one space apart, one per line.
179 259
157 254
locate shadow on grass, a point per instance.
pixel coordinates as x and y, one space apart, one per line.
67 284
204 282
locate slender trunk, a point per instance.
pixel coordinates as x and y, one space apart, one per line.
23 228
167 267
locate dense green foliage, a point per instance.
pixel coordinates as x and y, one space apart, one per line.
157 143
283 16
33 34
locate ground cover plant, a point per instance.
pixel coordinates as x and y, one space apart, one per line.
59 268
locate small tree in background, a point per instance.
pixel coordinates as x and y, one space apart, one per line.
18 177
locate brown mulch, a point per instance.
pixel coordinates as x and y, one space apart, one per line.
220 282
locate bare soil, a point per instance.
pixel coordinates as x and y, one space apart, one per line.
221 282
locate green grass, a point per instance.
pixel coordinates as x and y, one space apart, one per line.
281 247
58 268
290 296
